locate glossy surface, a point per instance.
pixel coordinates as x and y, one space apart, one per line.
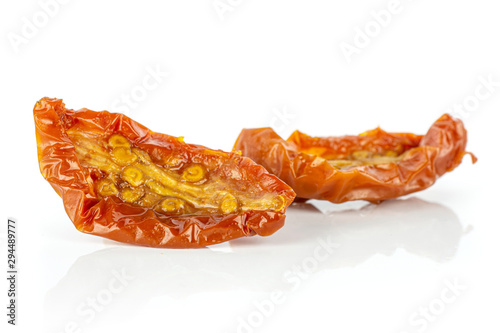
382 262
122 181
392 259
374 166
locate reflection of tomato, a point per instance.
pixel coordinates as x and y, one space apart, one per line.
122 181
375 165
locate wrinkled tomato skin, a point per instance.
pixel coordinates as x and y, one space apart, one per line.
427 157
112 218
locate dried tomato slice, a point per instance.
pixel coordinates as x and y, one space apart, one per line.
122 181
374 166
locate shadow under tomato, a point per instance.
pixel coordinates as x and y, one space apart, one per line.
358 232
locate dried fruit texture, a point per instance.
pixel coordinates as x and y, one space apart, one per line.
374 166
122 181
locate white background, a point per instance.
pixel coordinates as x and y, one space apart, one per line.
260 63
